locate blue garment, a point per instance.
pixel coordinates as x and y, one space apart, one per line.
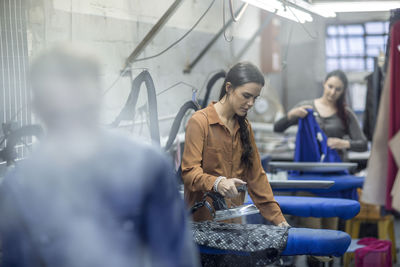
311 142
112 204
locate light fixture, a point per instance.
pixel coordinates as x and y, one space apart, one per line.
311 8
359 6
280 9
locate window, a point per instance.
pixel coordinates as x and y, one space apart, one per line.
352 47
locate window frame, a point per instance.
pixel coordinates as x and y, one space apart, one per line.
364 56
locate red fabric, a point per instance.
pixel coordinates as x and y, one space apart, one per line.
394 108
376 253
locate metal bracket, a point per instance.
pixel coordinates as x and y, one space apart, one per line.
152 33
189 67
264 24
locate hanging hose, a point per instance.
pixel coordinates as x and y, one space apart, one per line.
210 84
178 120
128 111
242 10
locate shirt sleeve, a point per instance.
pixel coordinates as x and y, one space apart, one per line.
260 190
358 141
282 124
193 175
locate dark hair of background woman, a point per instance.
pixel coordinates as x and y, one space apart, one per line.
341 102
238 75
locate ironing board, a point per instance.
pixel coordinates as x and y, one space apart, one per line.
303 241
320 167
345 186
317 207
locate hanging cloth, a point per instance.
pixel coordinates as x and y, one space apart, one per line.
311 142
374 189
378 181
394 107
394 17
394 145
374 89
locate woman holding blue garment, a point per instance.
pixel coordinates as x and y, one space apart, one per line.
340 125
334 117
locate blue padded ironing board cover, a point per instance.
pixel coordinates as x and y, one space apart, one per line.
318 242
311 142
314 207
318 207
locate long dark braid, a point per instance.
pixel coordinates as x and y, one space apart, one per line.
246 157
238 75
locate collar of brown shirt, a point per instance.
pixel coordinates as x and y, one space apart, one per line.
213 118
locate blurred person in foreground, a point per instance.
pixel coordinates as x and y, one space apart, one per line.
86 197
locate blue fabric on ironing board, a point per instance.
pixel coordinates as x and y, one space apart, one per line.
304 241
311 143
318 207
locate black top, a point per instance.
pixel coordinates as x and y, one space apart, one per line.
332 127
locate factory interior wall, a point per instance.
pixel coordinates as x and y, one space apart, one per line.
113 29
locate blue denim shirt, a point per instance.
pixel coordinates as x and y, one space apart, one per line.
112 203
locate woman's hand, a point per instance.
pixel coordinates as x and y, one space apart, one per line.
337 143
284 224
227 187
299 112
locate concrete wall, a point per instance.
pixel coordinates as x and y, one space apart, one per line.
303 50
112 29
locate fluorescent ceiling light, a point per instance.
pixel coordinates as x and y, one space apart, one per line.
279 9
312 8
359 6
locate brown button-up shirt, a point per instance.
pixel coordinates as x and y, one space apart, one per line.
212 151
